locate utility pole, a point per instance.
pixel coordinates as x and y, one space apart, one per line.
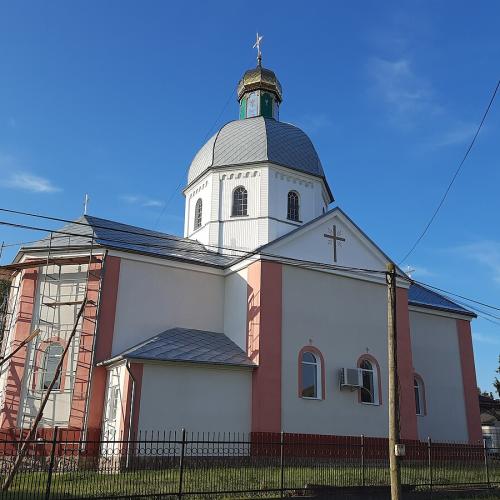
392 347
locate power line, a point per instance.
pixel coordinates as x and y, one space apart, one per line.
242 254
196 250
18 243
148 233
455 175
492 318
180 251
455 295
181 182
171 197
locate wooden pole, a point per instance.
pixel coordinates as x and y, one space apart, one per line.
31 434
20 346
392 348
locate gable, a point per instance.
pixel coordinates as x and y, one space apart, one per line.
353 247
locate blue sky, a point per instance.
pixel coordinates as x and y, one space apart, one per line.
114 99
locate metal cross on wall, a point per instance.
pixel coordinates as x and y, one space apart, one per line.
334 238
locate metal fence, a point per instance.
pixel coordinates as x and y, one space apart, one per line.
207 465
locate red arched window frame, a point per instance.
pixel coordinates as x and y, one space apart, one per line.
374 362
319 356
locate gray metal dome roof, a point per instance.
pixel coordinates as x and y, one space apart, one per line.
256 140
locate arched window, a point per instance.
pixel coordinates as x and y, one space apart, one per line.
418 385
311 375
197 213
51 358
370 388
293 206
240 201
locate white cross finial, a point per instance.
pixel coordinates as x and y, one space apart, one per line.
409 271
257 46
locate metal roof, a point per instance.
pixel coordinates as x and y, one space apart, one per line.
115 235
187 345
419 295
260 78
111 234
256 140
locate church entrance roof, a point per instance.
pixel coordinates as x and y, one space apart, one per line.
189 346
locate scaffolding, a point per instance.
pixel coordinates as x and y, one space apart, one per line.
67 292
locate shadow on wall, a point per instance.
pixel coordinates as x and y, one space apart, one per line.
253 308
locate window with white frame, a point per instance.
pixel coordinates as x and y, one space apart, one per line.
51 358
240 201
198 213
311 376
113 402
369 388
419 396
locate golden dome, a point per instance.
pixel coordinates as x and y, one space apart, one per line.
259 78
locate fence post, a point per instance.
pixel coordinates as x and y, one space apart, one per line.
181 463
282 465
486 465
363 478
51 463
429 460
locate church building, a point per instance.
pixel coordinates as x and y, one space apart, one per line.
269 314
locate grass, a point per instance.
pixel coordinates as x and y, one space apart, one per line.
204 478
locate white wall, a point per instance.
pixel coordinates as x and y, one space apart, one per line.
112 427
202 190
343 318
311 244
153 298
235 307
203 398
267 188
310 190
241 232
436 358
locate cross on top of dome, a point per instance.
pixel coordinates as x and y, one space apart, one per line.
259 90
256 45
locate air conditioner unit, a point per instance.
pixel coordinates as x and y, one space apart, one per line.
351 377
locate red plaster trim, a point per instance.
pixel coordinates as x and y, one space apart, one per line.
373 361
408 412
39 359
104 339
253 310
84 358
107 308
469 381
264 318
137 370
424 398
316 351
21 329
